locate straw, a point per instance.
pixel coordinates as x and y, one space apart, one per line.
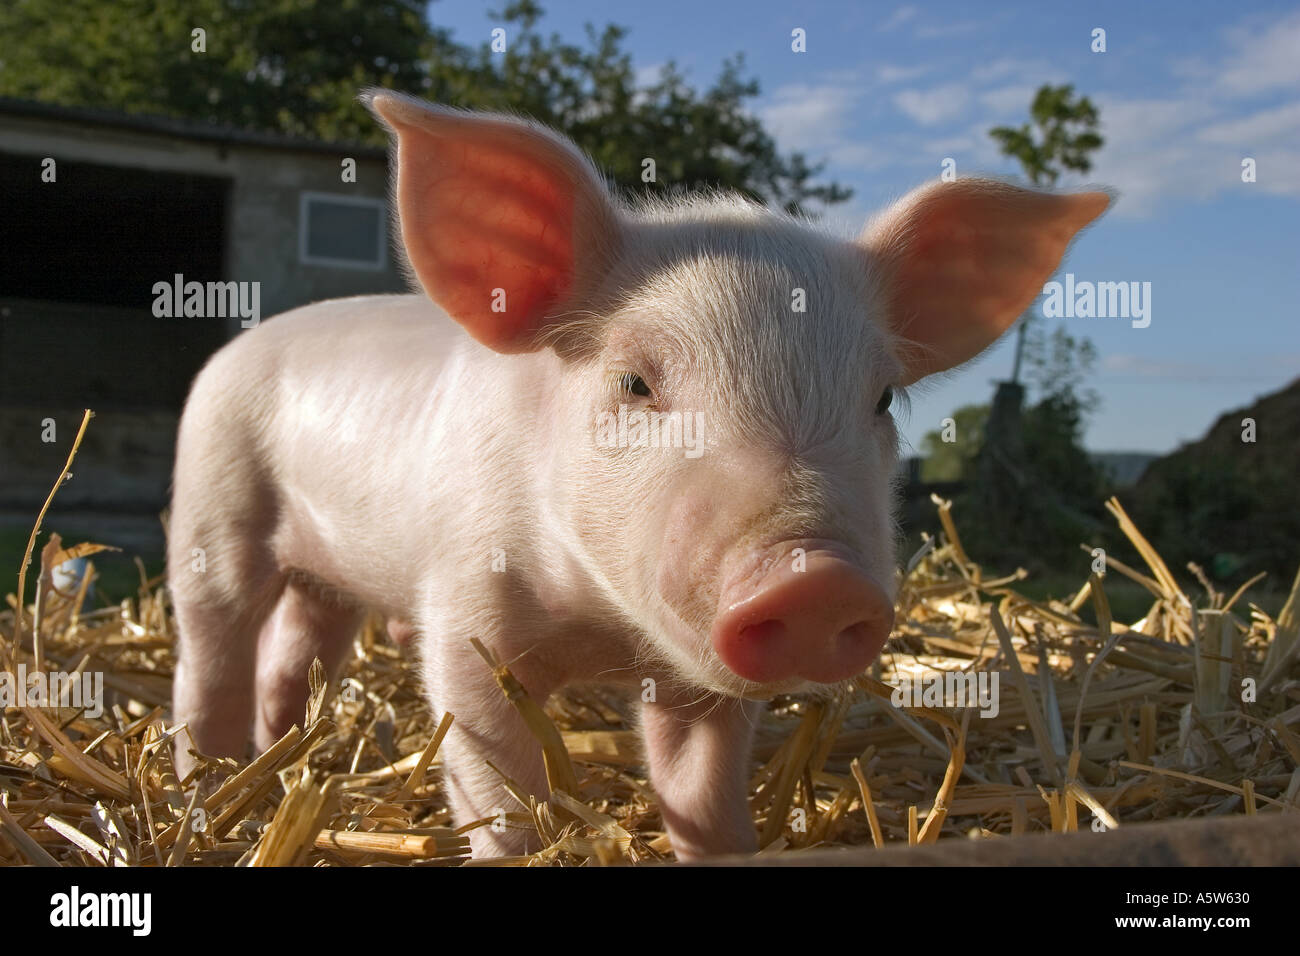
1118 722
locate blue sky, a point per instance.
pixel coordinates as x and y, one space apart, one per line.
1186 90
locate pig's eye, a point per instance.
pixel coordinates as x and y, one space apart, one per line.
886 398
634 384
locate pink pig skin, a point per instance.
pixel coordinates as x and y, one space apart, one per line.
435 457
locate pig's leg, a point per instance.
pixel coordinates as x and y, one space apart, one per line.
221 571
212 692
306 624
698 749
487 727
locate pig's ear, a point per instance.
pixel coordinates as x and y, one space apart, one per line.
962 260
505 223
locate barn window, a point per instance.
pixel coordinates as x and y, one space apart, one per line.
346 232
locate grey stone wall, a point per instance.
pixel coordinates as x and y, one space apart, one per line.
120 479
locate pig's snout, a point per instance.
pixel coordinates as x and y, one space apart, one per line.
819 617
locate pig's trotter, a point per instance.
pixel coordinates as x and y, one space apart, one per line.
698 749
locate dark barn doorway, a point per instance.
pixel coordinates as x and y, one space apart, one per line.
78 261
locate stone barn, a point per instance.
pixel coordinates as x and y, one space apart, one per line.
108 221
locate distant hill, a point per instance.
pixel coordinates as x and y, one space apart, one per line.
1123 468
1230 505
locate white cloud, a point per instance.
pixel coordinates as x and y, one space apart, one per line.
807 117
1162 150
859 155
949 145
1262 126
817 119
886 73
1006 66
949 29
1009 99
1278 171
898 18
932 106
1264 58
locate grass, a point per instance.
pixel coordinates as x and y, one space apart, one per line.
116 573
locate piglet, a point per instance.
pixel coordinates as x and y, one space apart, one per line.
645 441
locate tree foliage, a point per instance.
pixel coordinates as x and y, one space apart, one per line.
277 65
296 66
1057 366
955 460
1062 134
1058 363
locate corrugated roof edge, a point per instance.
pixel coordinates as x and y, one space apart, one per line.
185 128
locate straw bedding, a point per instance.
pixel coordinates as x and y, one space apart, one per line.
1193 710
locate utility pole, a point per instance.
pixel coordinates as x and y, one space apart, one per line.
1054 112
1020 349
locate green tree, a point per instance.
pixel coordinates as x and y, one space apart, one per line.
955 460
296 66
1064 132
1057 366
695 139
1058 363
288 66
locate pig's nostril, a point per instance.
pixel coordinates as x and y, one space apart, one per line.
762 632
762 651
861 639
853 636
766 640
